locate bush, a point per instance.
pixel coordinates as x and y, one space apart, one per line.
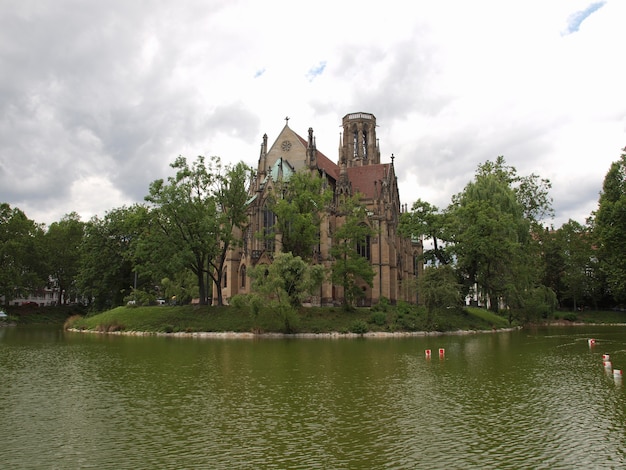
378 318
71 321
570 317
359 327
382 305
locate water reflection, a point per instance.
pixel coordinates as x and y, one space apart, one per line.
527 399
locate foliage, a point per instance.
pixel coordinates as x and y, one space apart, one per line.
540 304
610 229
181 288
20 254
578 265
298 205
285 284
309 320
351 270
378 318
140 297
195 213
438 288
426 220
62 244
107 256
491 236
359 327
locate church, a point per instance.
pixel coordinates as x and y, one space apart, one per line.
394 258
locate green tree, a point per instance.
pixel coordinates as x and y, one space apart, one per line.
298 204
107 272
438 288
21 268
577 254
285 284
532 192
195 213
63 242
351 269
553 257
231 195
610 229
425 220
491 240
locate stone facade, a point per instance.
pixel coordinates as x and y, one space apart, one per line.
394 258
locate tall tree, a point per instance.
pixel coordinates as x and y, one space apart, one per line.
425 220
351 269
63 242
20 254
195 213
284 285
298 204
492 238
438 288
575 242
610 228
231 196
107 271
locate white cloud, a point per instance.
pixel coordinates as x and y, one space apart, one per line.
109 94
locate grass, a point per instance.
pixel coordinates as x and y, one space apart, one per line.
167 319
387 318
24 315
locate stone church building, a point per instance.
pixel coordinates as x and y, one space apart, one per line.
393 258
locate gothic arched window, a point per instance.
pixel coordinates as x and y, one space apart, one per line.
268 228
364 247
242 273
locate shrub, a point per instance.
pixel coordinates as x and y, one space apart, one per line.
71 321
359 327
570 317
382 305
378 318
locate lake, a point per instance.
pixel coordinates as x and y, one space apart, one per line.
522 399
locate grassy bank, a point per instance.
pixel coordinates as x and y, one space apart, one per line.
308 320
30 315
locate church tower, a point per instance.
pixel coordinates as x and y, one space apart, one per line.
360 145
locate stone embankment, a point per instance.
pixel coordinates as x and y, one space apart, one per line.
250 335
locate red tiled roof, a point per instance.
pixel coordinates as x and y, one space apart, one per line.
364 177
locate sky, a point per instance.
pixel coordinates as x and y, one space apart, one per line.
97 99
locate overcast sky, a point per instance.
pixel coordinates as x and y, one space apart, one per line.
98 98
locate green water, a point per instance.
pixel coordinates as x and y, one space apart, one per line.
523 399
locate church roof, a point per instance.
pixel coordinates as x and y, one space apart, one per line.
365 178
323 162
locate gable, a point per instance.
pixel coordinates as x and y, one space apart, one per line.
287 146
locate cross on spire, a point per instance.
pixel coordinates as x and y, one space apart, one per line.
287 120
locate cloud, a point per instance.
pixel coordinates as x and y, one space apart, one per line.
576 19
315 71
107 95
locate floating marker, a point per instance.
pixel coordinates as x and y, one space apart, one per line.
592 342
606 357
607 364
442 352
427 352
617 374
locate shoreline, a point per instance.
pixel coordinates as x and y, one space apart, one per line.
331 335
